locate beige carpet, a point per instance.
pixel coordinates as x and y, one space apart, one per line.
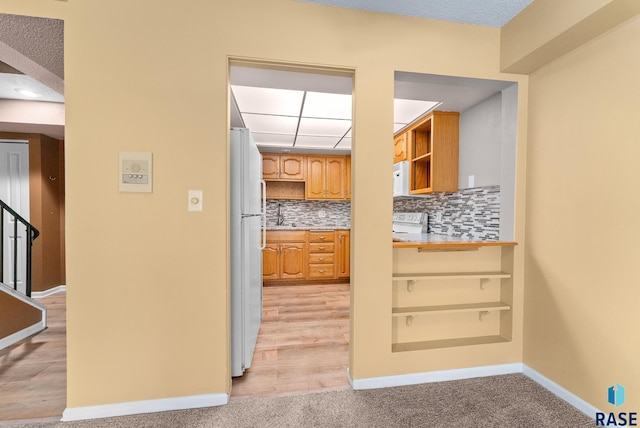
512 401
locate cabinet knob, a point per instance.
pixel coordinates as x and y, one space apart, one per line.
321 259
321 270
323 237
322 248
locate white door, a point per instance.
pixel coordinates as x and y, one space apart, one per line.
14 191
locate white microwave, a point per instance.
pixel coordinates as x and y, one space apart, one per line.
401 179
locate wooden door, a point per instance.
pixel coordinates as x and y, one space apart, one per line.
292 261
400 148
292 167
270 166
343 254
270 262
335 177
315 177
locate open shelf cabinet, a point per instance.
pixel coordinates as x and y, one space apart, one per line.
482 316
433 153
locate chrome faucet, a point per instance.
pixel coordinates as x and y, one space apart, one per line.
280 217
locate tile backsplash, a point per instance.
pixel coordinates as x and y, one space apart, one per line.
306 213
468 213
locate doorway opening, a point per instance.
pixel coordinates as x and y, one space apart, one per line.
300 119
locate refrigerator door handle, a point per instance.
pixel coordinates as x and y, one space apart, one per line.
264 214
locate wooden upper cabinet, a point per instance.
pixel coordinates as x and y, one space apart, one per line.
347 180
326 177
283 167
335 178
433 153
315 177
400 147
270 166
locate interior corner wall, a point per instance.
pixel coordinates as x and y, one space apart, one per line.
582 288
46 196
508 162
480 143
148 281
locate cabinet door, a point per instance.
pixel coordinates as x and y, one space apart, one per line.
400 148
292 261
292 167
270 166
343 254
335 177
347 181
270 262
315 177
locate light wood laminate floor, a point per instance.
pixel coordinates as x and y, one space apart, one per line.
303 343
303 346
33 373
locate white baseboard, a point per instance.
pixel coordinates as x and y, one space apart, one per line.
457 374
49 292
435 376
23 334
560 392
146 406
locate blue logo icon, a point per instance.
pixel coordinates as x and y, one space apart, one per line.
616 395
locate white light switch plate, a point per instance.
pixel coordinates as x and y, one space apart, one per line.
195 200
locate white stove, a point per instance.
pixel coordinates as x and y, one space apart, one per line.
409 222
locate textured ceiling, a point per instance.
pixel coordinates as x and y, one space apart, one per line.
490 13
39 39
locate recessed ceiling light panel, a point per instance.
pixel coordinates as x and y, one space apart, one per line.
331 127
267 100
270 124
280 140
316 142
328 106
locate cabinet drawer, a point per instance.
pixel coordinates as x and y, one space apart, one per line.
316 247
321 258
286 235
321 271
321 236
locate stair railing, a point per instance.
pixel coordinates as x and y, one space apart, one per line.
31 232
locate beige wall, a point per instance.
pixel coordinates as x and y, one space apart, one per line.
147 281
582 275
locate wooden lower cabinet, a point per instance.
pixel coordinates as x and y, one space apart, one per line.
298 256
343 253
321 254
285 255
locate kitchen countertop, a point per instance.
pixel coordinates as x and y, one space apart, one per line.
303 227
430 241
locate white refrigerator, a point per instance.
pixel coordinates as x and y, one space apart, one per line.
247 236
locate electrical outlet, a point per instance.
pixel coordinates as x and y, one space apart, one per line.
322 213
438 216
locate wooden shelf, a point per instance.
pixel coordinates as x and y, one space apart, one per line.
447 343
443 309
449 275
424 156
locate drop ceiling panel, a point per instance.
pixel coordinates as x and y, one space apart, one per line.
280 140
344 144
329 127
268 101
331 106
271 124
315 141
